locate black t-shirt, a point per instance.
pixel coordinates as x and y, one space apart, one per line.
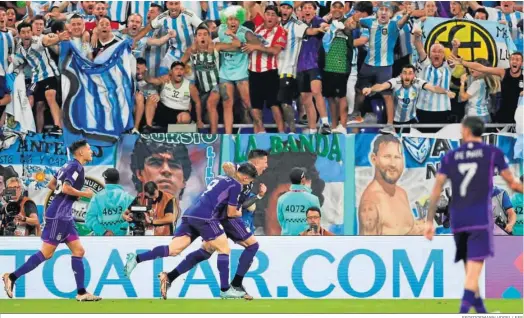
101 47
510 91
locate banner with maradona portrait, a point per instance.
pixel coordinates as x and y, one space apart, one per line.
324 158
394 178
479 39
180 164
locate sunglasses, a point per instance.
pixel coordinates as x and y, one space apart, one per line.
159 162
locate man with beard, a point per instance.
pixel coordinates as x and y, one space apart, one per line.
406 89
384 207
511 88
153 54
176 94
263 68
184 22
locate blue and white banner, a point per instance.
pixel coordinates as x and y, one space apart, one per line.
98 97
36 159
284 268
19 113
479 39
396 175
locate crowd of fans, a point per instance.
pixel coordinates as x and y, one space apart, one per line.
310 62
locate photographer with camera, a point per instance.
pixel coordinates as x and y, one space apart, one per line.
504 215
152 212
105 209
19 216
313 217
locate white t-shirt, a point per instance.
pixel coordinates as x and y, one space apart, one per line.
176 98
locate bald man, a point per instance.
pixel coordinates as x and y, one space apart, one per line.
433 108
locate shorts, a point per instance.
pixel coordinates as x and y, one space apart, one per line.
58 231
41 87
305 78
287 91
209 230
263 89
334 85
165 116
371 75
226 81
236 229
29 87
475 245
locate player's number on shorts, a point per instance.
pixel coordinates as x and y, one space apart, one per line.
468 170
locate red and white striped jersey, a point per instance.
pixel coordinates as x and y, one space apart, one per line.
262 62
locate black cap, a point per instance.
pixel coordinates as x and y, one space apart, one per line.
111 175
177 63
297 174
272 8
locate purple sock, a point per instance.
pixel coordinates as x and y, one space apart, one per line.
223 269
78 269
244 263
31 264
191 260
467 301
479 306
157 252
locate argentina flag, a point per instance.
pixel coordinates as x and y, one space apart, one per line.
98 96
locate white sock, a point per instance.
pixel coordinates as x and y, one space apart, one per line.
324 121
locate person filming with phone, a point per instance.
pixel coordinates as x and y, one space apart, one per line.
313 217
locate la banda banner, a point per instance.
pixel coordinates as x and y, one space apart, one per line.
284 267
342 168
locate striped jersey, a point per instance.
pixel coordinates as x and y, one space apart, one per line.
512 19
405 98
154 54
287 59
142 7
118 10
7 47
262 62
382 40
184 25
193 6
214 8
205 66
405 45
436 76
38 58
477 104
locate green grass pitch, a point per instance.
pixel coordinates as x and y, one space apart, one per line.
507 306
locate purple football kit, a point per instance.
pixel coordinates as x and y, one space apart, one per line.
235 228
59 222
204 216
471 168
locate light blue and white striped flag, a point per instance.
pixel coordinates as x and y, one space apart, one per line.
98 96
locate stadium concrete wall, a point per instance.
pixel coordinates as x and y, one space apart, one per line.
285 267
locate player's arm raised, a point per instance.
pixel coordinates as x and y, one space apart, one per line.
369 218
433 201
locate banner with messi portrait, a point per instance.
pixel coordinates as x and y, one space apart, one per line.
394 178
